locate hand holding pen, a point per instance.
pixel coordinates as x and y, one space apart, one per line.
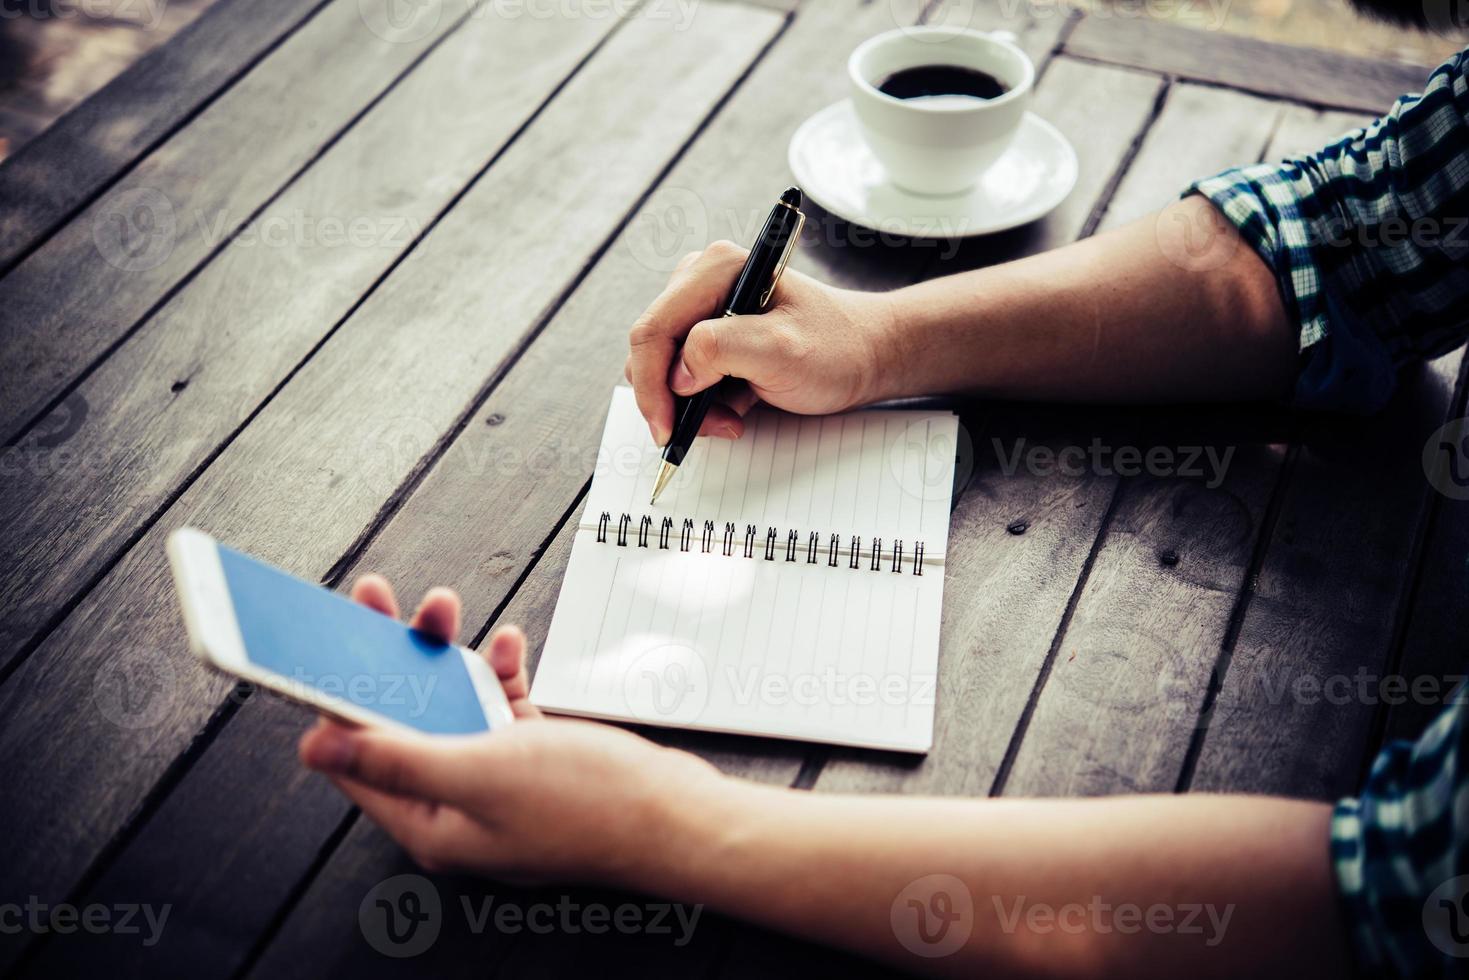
750 293
814 349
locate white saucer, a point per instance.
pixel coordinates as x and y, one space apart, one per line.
834 167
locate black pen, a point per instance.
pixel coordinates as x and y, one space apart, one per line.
751 292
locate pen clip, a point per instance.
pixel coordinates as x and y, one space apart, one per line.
785 257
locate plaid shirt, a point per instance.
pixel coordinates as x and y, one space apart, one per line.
1367 241
1401 856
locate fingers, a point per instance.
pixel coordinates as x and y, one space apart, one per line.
408 820
374 592
437 769
741 346
685 263
722 422
434 836
506 655
694 292
726 417
438 614
740 398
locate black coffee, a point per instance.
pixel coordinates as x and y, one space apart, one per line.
930 80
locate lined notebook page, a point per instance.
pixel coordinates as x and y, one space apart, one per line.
694 640
788 648
878 473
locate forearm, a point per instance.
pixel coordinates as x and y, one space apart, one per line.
1161 886
1129 315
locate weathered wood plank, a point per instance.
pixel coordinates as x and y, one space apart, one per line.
366 855
284 283
1309 75
277 300
1424 654
1129 678
1018 541
1126 683
1177 149
446 320
70 300
1124 694
1107 668
64 167
1102 141
1304 130
1306 677
327 923
1431 659
93 474
532 452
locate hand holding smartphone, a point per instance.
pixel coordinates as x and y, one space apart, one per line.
309 644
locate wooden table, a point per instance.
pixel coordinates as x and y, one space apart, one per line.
353 296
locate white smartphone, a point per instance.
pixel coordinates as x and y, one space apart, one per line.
311 645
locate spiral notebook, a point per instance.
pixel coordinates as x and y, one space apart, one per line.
788 583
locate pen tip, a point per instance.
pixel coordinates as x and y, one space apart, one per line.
792 196
665 473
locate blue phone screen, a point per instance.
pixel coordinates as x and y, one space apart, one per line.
311 635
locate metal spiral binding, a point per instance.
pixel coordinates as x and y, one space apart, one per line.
895 555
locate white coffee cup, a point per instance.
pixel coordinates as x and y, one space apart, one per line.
938 144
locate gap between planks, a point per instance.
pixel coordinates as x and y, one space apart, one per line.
218 722
111 100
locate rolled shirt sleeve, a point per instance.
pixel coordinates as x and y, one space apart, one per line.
1399 854
1368 240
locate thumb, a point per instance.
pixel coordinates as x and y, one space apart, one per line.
737 346
429 768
